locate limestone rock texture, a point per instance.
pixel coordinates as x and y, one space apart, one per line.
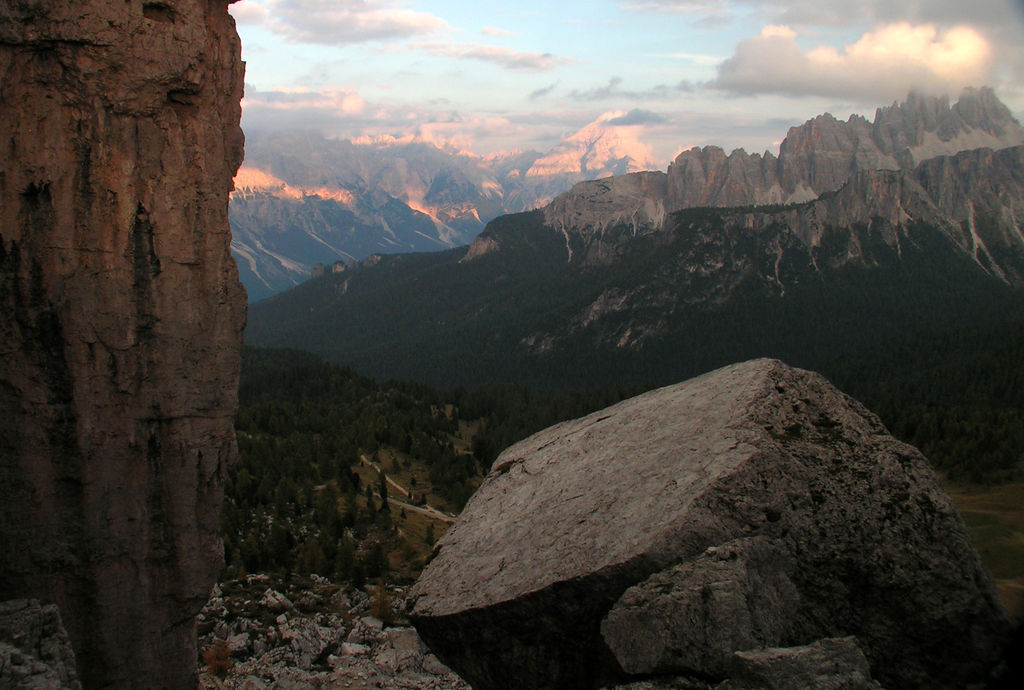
122 324
35 651
829 664
754 507
597 212
823 153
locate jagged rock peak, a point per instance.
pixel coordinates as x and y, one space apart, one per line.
630 204
816 158
753 507
977 109
821 154
122 324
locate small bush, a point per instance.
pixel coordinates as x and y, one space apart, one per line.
381 606
218 658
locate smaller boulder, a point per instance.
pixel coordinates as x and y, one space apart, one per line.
835 663
239 644
734 596
275 601
308 641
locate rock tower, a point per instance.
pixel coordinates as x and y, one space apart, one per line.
122 321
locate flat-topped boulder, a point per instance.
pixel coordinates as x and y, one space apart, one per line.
750 508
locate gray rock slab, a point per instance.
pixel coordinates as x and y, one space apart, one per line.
828 664
696 614
572 517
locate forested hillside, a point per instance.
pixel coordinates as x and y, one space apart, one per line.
521 314
303 498
352 479
956 395
319 444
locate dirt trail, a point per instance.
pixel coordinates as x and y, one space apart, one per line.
429 511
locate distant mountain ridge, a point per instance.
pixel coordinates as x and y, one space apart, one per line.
964 207
612 284
820 155
302 199
817 157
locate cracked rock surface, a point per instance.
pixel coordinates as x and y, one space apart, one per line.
753 507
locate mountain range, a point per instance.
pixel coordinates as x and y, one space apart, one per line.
855 233
302 199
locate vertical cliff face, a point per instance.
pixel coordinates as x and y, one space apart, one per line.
122 320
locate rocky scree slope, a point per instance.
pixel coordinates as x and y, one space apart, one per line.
755 507
123 316
312 634
35 651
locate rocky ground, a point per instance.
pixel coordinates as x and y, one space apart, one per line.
262 632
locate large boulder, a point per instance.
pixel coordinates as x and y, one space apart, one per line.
753 507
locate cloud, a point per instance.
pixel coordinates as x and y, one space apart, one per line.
841 13
498 55
247 12
676 6
708 13
342 112
496 31
356 21
543 91
835 13
599 93
883 64
340 101
613 91
636 116
701 59
299 108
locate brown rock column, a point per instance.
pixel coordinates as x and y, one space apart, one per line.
121 317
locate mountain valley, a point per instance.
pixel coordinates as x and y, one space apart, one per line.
535 419
620 282
302 201
901 280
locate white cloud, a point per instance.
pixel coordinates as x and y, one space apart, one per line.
300 108
677 6
504 57
707 13
701 59
356 21
496 31
838 13
249 12
337 100
613 91
883 64
342 112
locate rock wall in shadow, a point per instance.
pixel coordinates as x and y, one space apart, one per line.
122 321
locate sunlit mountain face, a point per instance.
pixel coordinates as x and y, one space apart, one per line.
301 199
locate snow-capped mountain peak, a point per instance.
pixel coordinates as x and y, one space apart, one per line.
602 148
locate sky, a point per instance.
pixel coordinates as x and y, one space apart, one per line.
489 77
